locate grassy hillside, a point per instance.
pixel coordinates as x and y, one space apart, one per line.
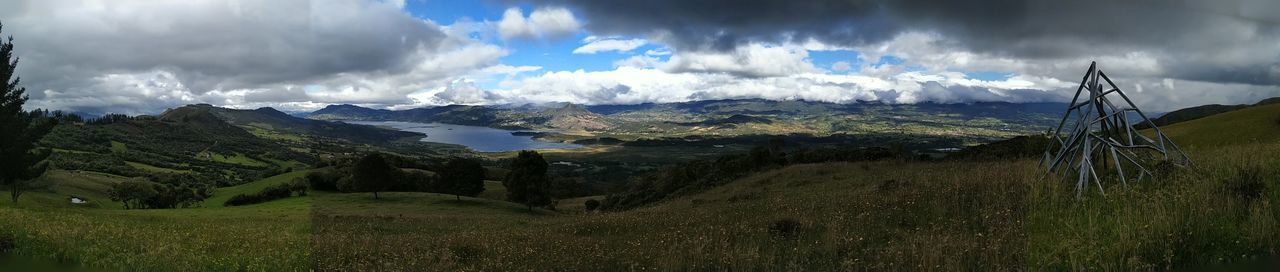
221 195
1249 125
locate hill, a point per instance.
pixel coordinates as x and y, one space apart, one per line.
1257 124
1197 112
272 119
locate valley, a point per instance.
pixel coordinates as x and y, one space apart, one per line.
869 212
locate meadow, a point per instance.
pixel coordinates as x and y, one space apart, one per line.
887 215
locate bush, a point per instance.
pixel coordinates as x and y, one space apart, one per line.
6 242
785 228
242 199
1248 184
323 180
592 204
280 191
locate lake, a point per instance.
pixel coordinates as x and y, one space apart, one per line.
483 139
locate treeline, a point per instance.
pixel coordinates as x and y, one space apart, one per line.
161 192
701 175
1020 147
526 180
378 172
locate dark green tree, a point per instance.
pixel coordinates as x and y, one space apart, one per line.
371 173
462 177
133 194
20 158
527 182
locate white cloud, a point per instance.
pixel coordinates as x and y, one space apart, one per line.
631 85
841 66
753 60
638 62
595 45
544 23
658 52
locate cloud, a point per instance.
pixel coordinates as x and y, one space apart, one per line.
460 92
752 60
595 45
841 66
659 86
140 56
1233 41
544 23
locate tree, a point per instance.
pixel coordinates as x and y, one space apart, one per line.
462 177
527 182
133 194
20 158
372 173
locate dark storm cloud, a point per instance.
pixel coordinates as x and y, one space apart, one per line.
211 45
1185 34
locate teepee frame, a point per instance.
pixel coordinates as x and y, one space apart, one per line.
1096 133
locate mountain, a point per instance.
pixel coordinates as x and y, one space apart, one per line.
1197 112
978 121
452 114
272 119
572 117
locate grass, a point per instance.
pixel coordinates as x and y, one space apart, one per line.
118 147
1260 124
268 237
265 131
156 169
222 194
237 159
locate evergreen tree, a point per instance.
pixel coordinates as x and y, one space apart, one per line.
462 177
373 174
20 158
527 183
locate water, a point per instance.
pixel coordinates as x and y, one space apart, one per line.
483 139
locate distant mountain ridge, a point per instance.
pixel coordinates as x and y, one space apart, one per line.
731 117
225 120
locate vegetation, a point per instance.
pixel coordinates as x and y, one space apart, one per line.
152 195
462 177
21 159
372 173
280 191
527 182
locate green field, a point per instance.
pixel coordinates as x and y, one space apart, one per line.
155 169
237 158
889 215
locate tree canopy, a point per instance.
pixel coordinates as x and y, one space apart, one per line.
462 177
527 182
372 173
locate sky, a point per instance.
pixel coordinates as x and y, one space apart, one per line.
143 56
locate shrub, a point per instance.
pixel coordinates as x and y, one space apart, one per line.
280 191
1248 184
6 242
323 180
785 228
592 204
298 186
242 199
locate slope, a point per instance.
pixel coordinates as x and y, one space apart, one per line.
1248 125
272 119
